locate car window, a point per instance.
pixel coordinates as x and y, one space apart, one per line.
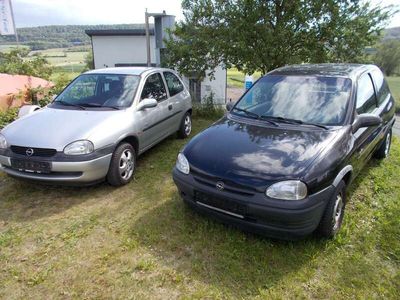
154 88
382 88
100 90
174 85
366 101
315 99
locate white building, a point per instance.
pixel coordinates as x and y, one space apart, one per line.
127 47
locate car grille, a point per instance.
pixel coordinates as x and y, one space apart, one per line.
229 185
227 205
38 152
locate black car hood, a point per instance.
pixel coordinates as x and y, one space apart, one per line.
249 152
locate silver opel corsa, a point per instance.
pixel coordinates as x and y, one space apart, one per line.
97 126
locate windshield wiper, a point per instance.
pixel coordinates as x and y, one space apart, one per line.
267 118
249 113
65 103
99 105
294 121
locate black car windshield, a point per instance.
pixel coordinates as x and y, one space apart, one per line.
318 100
100 90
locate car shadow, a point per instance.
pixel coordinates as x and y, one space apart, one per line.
205 250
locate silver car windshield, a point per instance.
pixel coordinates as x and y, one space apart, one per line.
100 90
305 99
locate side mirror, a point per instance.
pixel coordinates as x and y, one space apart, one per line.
27 109
147 103
365 120
229 106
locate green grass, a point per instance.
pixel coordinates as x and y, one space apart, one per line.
394 84
140 241
236 78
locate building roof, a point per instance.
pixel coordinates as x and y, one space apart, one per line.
118 32
123 70
329 69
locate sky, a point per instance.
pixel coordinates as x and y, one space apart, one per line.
89 12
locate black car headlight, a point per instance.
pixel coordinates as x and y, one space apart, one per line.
287 190
182 164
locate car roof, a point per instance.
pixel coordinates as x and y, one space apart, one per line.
127 70
327 69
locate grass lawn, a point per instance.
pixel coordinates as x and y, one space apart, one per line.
140 242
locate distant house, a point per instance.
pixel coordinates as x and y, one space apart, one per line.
127 47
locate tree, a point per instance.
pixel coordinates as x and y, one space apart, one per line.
259 35
387 56
17 62
89 62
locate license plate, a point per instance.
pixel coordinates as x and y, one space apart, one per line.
31 166
224 204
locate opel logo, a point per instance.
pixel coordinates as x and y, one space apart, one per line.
220 185
29 152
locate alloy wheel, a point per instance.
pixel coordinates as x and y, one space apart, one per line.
126 164
337 212
188 125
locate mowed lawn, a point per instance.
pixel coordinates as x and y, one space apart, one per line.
141 242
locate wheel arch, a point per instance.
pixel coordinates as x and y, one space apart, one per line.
131 139
345 174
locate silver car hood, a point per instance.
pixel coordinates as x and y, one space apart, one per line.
56 128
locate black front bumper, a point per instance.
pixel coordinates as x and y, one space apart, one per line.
269 217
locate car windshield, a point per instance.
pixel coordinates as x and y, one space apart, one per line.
306 99
100 90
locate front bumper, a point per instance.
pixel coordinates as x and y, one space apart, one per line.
269 217
80 172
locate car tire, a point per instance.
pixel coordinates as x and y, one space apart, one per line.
186 126
122 166
384 149
332 218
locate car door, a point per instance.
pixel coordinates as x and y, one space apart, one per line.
177 96
365 138
152 119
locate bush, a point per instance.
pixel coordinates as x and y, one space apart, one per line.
207 109
8 116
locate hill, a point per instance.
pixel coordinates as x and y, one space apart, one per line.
58 36
392 33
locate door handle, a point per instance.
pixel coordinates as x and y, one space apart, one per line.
170 106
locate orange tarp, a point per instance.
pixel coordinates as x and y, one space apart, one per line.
14 89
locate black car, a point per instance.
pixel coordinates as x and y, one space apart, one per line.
279 162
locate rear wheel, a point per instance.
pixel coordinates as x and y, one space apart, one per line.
332 218
122 166
186 126
384 149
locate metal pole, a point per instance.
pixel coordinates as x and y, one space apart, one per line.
147 39
15 28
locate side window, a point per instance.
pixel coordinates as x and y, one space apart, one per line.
366 101
154 88
381 86
174 85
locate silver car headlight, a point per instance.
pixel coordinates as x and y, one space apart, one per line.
287 190
182 164
3 142
79 148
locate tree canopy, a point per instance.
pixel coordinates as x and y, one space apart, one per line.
387 56
259 35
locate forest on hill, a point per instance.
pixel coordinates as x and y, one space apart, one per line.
58 36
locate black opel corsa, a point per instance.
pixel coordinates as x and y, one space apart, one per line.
279 162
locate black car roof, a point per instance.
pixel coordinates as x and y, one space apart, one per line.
331 69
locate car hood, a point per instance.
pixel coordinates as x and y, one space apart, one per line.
252 153
56 128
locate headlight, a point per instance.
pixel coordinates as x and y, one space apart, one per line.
3 142
79 147
287 190
182 164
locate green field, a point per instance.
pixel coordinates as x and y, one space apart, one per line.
394 84
141 242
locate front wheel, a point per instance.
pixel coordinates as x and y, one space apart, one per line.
186 126
122 166
332 218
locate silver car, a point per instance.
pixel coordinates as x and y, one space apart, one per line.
96 127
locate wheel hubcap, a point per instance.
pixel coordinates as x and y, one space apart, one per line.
337 212
188 125
387 148
126 164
